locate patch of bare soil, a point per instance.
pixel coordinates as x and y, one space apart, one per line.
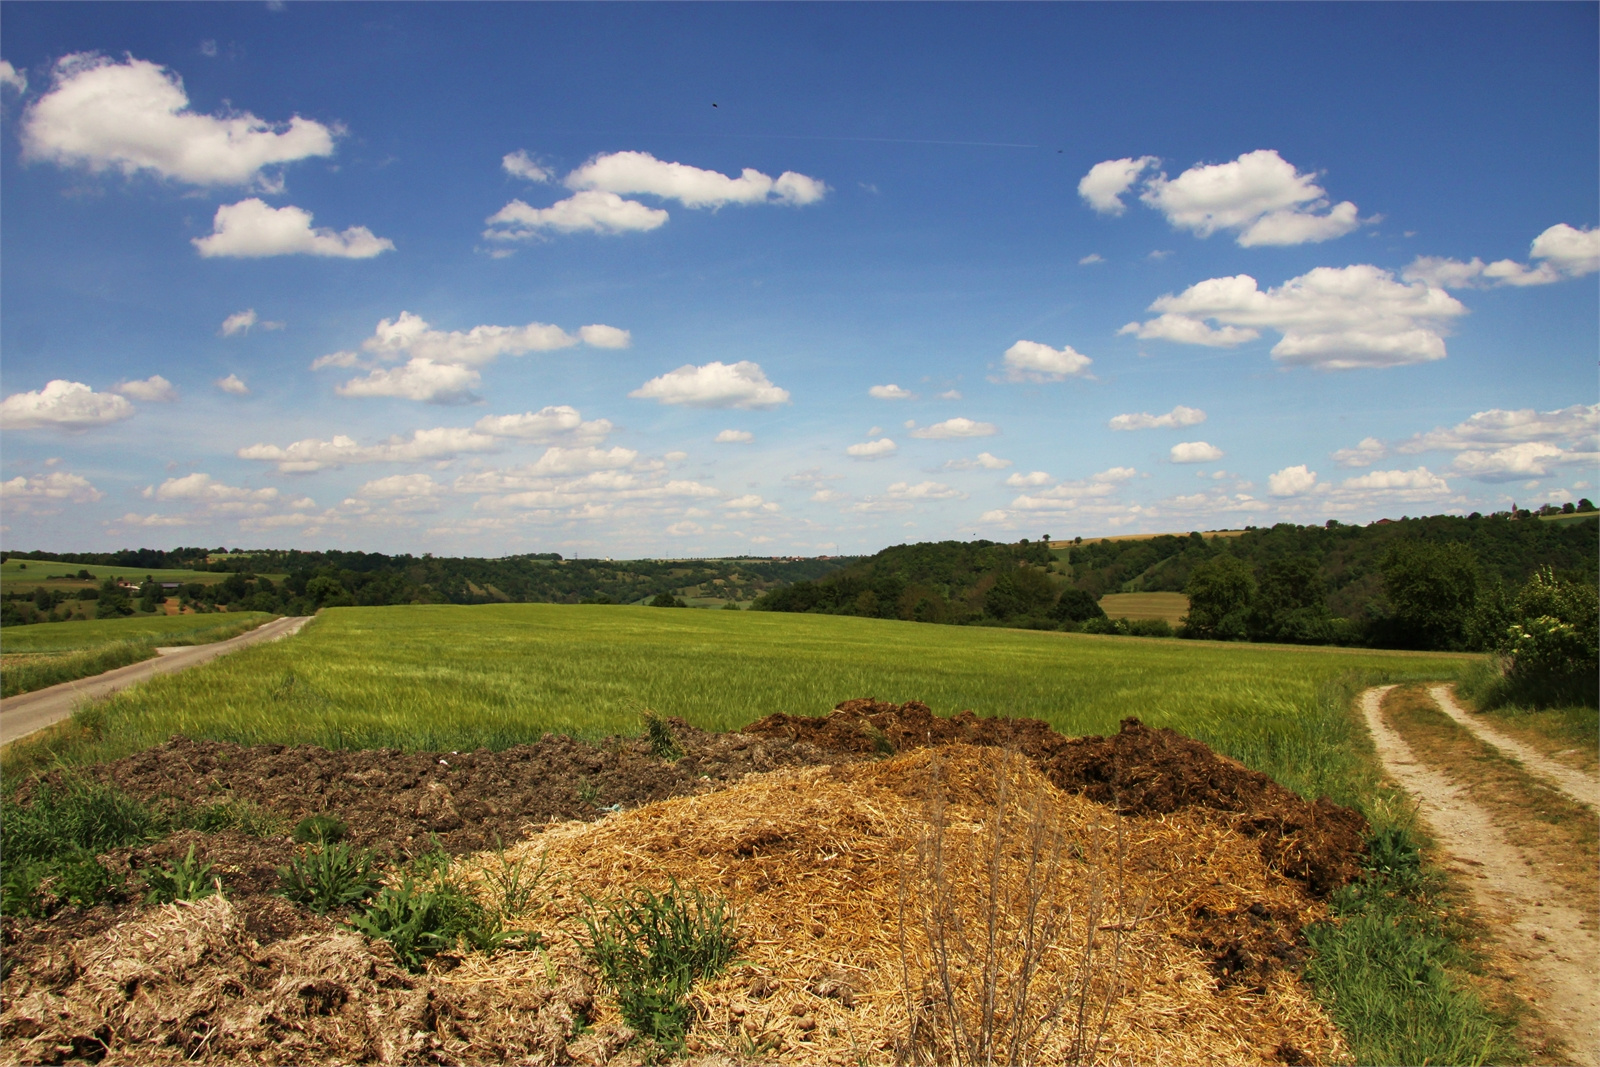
1139 771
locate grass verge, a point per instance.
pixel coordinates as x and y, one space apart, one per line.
1569 734
47 654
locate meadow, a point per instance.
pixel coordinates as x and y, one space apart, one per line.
443 677
1169 606
23 575
50 653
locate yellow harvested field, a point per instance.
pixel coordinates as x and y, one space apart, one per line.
1170 606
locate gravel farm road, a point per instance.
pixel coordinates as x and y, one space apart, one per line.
23 714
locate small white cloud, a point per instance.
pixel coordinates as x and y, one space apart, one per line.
11 78
519 164
640 172
52 486
204 489
675 457
1105 184
401 487
749 502
1195 452
312 454
922 491
1420 479
155 389
599 336
983 460
956 427
1259 195
685 529
872 449
1364 454
586 212
232 384
1030 361
63 405
1023 481
550 423
1514 462
889 392
134 519
1178 416
1561 252
134 116
244 321
252 229
1183 330
1292 481
417 379
714 385
735 437
1092 257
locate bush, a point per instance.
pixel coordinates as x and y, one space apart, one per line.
667 600
187 880
662 744
1552 647
320 829
651 948
51 844
421 919
1077 605
1149 628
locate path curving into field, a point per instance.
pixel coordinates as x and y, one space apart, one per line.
26 713
1545 936
1583 788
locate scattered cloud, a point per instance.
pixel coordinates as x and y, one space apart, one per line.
1259 196
203 489
889 392
1026 481
1364 454
587 212
417 379
253 229
52 487
519 164
1103 187
244 321
133 519
714 385
749 502
1092 495
1195 452
872 449
1507 445
1030 361
599 336
232 384
134 116
550 423
922 491
557 462
1419 480
1092 257
956 427
11 78
155 389
1178 416
1560 252
406 490
63 405
1292 481
312 454
735 437
950 394
983 460
1331 318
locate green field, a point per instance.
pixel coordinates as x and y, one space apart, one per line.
1169 606
445 677
153 629
21 575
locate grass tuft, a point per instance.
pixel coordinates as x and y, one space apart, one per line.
325 877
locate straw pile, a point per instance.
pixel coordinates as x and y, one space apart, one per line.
943 903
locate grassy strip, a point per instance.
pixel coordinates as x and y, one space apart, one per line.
154 629
27 672
24 674
441 677
1393 967
1571 734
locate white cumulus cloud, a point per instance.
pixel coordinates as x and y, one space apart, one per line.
1105 184
63 405
889 392
253 229
600 336
1291 481
715 385
401 487
1178 416
550 423
1024 481
519 164
232 384
883 446
11 78
312 454
1260 196
982 460
154 389
417 379
1331 318
1030 361
956 427
1419 480
204 489
1559 253
1367 452
735 437
922 491
641 173
50 486
1195 452
244 321
134 116
586 212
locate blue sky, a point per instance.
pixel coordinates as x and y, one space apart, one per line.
714 279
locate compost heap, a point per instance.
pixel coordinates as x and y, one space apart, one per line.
1164 913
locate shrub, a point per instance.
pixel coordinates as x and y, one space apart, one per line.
187 880
320 829
421 919
325 877
652 947
1552 646
662 744
1149 628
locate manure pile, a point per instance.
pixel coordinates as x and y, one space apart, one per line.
1145 898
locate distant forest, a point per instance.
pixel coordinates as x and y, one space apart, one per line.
1436 582
306 581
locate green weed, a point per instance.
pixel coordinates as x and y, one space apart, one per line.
652 947
319 829
420 919
185 880
662 744
325 877
513 884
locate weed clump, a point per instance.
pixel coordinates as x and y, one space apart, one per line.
652 947
320 829
663 745
185 880
436 912
51 844
325 877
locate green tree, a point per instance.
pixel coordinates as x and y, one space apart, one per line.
113 602
1554 644
1291 603
1219 591
1432 590
1076 605
1019 591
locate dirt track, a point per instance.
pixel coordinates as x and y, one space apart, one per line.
1579 786
1546 936
23 714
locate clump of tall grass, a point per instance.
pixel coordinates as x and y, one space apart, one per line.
29 672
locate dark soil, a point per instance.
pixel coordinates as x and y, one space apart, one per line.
1140 771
